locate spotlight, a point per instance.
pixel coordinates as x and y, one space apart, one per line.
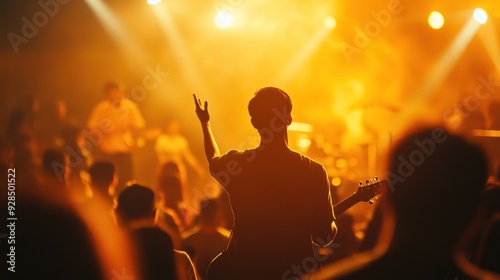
480 16
330 22
436 20
154 2
223 20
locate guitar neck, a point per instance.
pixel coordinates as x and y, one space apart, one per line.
345 204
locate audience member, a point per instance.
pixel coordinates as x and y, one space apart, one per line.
55 169
79 159
53 119
136 213
280 198
207 239
102 181
432 208
52 240
171 198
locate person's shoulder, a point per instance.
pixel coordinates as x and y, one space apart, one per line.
235 154
230 157
307 160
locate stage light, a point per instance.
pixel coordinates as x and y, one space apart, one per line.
330 22
154 2
436 20
223 19
480 16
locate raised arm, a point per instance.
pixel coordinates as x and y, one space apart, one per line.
211 148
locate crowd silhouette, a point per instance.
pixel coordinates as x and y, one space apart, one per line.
85 216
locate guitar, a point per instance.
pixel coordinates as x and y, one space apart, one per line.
371 189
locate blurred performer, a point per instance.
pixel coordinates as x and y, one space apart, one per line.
117 119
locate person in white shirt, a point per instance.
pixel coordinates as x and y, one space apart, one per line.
116 119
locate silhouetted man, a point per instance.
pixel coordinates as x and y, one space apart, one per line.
136 213
280 198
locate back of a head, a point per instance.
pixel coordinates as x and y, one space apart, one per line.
136 202
269 103
436 179
102 175
54 233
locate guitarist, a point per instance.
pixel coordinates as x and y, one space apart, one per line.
115 121
280 198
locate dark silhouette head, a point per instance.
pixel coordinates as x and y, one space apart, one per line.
54 233
102 175
436 180
270 107
136 202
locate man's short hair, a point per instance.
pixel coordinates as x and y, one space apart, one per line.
267 103
135 202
